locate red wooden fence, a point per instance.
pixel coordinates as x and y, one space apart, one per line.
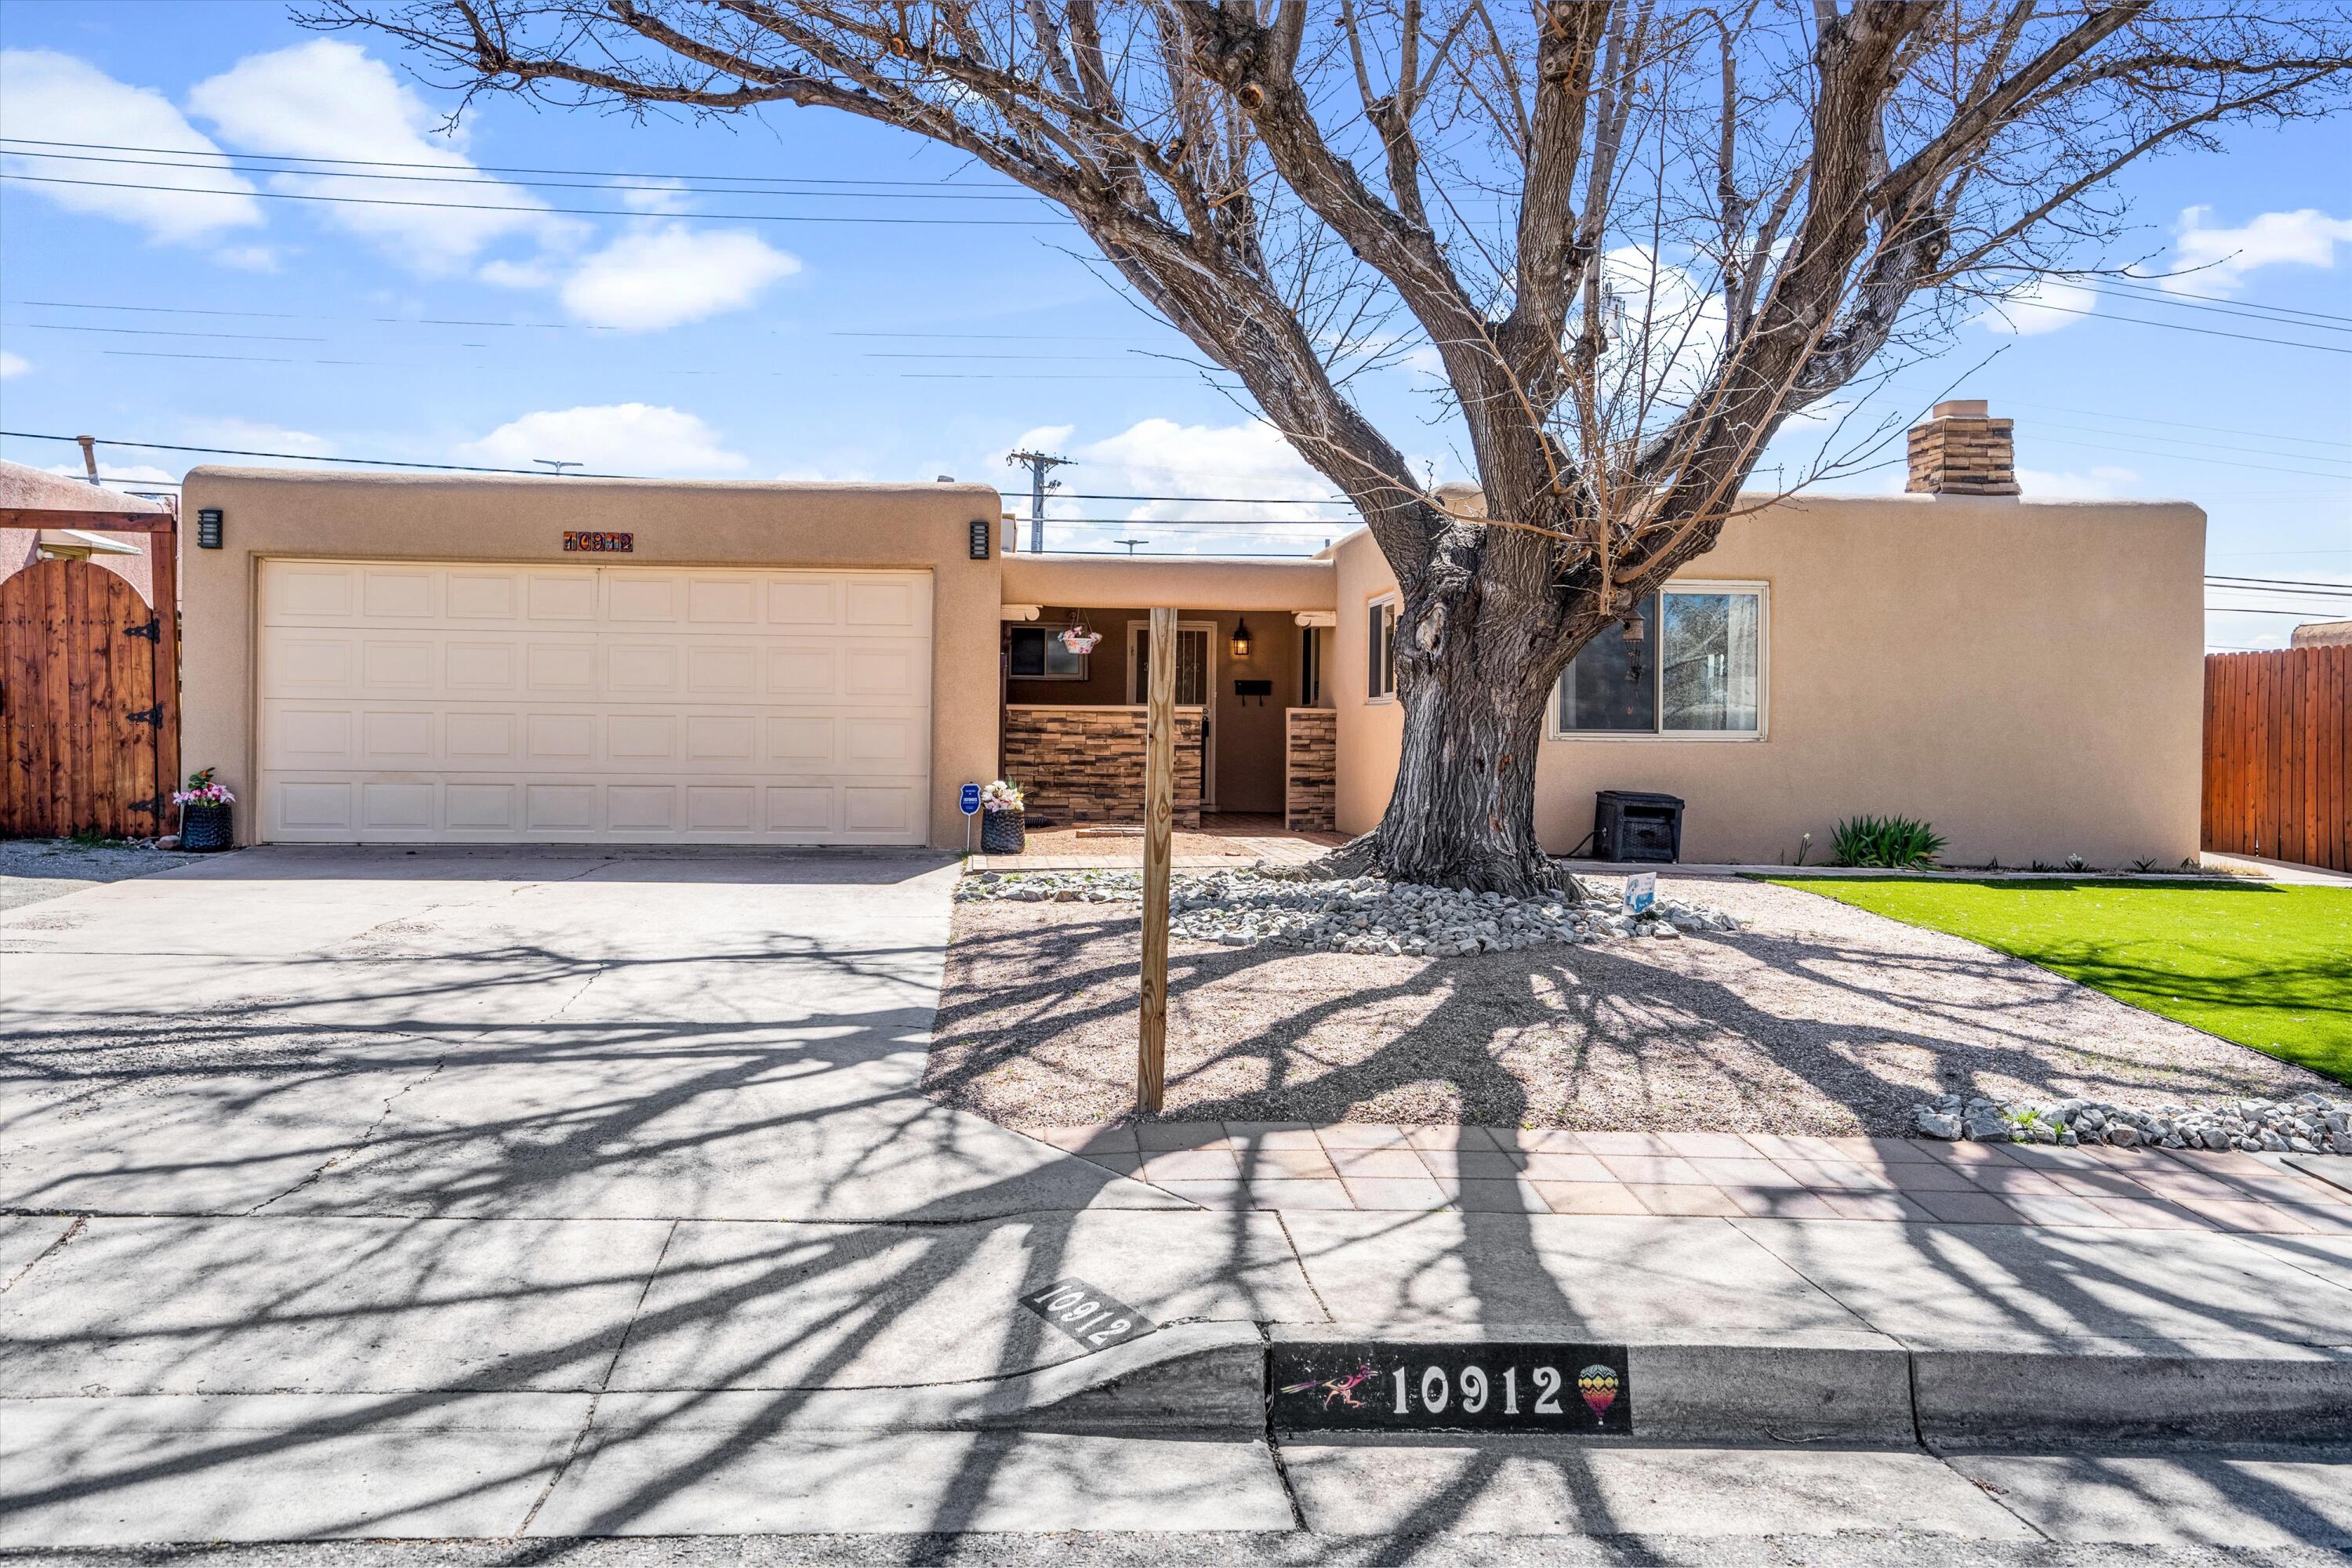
2278 755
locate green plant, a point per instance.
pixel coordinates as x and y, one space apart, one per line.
2144 865
92 838
1897 843
1805 847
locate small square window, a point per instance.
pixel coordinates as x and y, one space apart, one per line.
1035 654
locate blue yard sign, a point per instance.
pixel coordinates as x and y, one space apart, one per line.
1640 891
971 799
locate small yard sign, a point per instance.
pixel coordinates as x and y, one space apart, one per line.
970 799
1640 891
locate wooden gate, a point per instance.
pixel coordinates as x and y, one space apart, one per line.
88 732
2278 755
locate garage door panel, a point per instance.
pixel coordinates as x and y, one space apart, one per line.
635 668
399 738
479 596
419 701
559 667
299 593
306 662
559 597
480 669
399 592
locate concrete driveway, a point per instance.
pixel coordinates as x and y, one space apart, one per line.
374 1151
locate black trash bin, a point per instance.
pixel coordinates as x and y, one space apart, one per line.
1636 825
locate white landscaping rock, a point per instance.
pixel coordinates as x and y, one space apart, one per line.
2309 1123
1357 914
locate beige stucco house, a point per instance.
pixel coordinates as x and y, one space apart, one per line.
491 659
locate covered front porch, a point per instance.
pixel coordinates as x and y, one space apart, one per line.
1256 733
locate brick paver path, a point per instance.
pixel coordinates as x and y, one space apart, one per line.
1369 1165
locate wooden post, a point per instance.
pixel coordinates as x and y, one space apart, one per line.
1159 829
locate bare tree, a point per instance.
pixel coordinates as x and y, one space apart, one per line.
1639 237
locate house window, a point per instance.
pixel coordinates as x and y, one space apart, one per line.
1379 644
1037 654
1698 669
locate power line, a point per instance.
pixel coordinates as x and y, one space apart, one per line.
303 457
2282 581
2185 327
541 212
2232 308
487 168
841 191
2143 287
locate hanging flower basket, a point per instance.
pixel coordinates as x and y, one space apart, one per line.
206 821
1003 821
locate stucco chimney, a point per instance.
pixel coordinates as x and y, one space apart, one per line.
1961 450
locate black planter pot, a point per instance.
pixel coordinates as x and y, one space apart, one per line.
207 828
1002 832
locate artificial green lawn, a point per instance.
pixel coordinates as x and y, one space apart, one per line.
2265 965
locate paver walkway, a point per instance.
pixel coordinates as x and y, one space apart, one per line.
1368 1166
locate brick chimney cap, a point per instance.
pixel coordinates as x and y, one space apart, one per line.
1964 408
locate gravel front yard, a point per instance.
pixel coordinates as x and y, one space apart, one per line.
1822 1019
34 870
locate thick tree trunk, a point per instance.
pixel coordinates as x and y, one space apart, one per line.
1476 669
1463 814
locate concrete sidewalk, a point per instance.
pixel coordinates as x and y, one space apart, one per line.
463 1193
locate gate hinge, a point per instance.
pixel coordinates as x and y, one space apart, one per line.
153 631
153 807
146 715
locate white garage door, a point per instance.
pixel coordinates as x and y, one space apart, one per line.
401 700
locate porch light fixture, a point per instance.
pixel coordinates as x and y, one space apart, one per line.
1241 639
1076 637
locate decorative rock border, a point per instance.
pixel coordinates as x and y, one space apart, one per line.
1366 915
2308 1124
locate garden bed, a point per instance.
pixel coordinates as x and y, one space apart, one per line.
1819 1018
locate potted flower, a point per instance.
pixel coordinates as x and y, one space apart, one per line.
204 812
1002 825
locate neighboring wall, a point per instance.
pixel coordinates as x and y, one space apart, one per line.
1249 736
2026 675
677 523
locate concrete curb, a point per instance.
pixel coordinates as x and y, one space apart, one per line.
1796 1387
2286 1393
1862 1387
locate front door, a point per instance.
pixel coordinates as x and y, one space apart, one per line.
1196 686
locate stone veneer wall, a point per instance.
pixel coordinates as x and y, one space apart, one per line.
1962 451
1311 770
1085 765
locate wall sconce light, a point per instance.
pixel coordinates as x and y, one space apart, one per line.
1241 639
208 527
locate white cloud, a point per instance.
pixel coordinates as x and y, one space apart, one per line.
252 436
328 98
1160 457
2101 483
48 96
654 195
668 276
2304 237
13 365
248 258
518 274
610 438
2039 305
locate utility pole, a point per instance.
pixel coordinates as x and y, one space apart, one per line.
559 464
1038 462
1131 544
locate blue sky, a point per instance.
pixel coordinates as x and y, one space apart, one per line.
678 333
